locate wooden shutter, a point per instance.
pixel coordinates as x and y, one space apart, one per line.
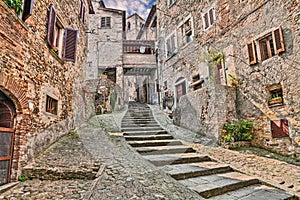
278 40
108 22
70 42
28 6
206 22
280 128
211 16
102 25
252 58
51 25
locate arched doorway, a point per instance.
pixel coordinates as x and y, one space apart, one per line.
7 116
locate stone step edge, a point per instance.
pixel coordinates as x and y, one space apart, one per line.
193 174
227 188
145 152
59 173
180 160
147 137
5 187
154 143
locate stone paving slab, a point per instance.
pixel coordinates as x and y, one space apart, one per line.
254 192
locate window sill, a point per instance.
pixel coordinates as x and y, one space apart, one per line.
52 52
276 105
171 56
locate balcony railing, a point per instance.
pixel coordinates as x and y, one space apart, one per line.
139 46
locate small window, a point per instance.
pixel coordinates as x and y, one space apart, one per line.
187 32
51 105
82 11
22 8
128 26
180 86
280 128
105 22
275 95
209 18
271 44
27 9
171 45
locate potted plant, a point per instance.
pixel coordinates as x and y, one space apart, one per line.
233 81
15 5
275 100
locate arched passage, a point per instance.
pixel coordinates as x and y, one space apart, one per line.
7 116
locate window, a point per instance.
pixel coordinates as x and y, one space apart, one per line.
280 128
269 46
51 105
23 8
128 26
275 95
171 45
27 9
209 18
172 2
105 22
62 41
187 32
82 11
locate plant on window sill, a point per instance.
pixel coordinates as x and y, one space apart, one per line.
214 56
275 100
15 5
233 80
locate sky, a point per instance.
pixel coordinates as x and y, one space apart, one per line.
141 7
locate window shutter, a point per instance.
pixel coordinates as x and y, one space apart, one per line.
51 25
70 42
211 16
206 22
278 40
83 14
280 128
28 6
80 10
108 22
252 58
102 22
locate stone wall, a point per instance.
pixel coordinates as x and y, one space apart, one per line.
206 110
31 70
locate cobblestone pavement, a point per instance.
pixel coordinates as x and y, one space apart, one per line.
125 174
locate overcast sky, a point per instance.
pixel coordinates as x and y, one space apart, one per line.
141 7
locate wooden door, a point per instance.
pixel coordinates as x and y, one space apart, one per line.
7 115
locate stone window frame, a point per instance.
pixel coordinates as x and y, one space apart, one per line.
105 22
171 45
270 42
209 18
62 41
187 36
51 105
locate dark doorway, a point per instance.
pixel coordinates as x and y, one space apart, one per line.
7 116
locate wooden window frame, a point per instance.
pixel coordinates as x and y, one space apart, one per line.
209 18
27 9
171 45
105 22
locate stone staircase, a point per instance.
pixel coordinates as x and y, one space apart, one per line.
210 179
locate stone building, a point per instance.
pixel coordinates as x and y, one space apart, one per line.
41 56
116 52
237 61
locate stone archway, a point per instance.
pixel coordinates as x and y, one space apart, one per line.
7 118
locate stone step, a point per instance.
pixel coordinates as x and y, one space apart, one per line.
152 124
185 171
138 117
150 143
217 184
8 186
148 137
138 121
154 132
255 192
126 129
164 150
172 159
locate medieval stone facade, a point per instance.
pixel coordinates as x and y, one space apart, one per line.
41 58
251 46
